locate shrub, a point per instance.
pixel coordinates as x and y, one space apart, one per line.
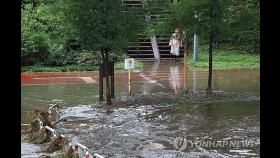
88 58
34 40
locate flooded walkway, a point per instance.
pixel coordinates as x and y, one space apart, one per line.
151 130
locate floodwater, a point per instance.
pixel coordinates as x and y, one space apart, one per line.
155 130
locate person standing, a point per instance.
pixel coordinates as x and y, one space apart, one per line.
175 44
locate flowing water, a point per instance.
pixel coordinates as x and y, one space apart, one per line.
231 128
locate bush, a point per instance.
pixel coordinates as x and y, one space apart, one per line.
62 58
34 39
77 57
43 32
88 58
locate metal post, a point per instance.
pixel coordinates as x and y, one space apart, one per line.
50 108
97 155
195 50
101 82
194 81
129 83
83 147
112 80
51 130
185 73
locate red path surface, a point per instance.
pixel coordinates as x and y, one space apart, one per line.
56 78
43 78
152 72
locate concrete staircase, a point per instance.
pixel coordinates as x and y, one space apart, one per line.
142 49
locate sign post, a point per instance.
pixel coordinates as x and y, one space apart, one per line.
195 49
185 73
129 64
185 65
129 83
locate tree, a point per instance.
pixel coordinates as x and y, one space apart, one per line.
35 39
102 25
203 17
43 30
242 30
233 23
215 24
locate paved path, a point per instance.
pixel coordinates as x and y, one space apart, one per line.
153 72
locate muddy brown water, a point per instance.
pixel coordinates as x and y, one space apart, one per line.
151 130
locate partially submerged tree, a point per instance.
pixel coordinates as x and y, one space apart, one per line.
214 29
103 26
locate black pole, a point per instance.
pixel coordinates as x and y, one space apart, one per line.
101 75
209 87
112 80
211 37
108 91
101 82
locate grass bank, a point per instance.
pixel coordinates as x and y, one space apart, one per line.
119 66
221 60
225 60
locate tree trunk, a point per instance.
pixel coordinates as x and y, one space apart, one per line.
101 76
106 65
112 81
209 87
101 83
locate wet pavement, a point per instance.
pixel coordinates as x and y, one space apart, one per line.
151 130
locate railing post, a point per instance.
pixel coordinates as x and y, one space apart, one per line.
195 50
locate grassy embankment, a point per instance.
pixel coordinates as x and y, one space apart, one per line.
119 66
225 60
221 60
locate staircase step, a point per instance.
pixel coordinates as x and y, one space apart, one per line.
142 48
148 46
139 50
141 56
153 59
130 5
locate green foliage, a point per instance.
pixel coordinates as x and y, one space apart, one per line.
44 31
225 60
34 39
119 66
88 58
235 23
78 57
101 24
63 58
243 24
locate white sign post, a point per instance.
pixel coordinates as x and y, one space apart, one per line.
128 65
